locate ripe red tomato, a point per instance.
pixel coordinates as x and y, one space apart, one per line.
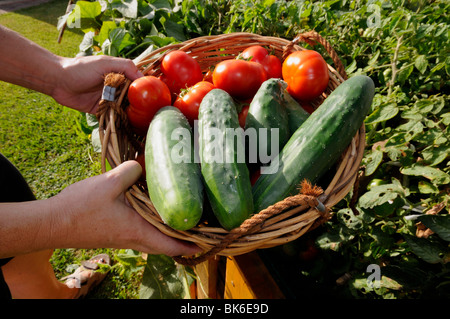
140 158
146 96
306 74
272 65
189 101
243 115
255 53
180 71
241 79
254 176
208 75
310 252
307 107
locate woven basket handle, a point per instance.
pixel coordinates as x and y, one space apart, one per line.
312 38
308 196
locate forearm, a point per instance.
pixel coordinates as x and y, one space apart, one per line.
73 82
28 226
27 64
91 213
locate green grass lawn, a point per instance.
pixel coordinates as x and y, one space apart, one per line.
44 139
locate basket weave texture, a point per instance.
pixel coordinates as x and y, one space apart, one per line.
278 224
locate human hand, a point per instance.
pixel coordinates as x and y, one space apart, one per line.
95 214
81 81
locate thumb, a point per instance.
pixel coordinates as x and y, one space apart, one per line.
125 175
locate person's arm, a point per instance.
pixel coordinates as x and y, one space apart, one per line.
92 213
73 82
27 64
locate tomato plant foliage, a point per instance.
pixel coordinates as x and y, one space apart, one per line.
402 223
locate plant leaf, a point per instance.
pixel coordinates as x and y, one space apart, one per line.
429 251
427 188
84 16
130 260
175 30
404 73
421 63
446 118
382 113
434 174
381 194
334 239
87 42
162 279
103 35
372 161
95 140
118 39
128 8
440 224
436 155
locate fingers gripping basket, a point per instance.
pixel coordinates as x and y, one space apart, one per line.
278 224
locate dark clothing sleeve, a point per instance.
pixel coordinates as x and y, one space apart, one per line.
13 188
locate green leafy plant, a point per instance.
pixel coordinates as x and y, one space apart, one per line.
120 28
407 148
164 279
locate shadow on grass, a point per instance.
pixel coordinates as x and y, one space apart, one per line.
47 12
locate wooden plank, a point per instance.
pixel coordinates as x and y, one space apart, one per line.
207 278
248 278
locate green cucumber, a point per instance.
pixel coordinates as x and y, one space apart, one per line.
173 177
222 159
318 143
269 119
296 114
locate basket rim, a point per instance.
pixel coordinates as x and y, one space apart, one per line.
152 59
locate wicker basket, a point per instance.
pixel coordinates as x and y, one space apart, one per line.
280 223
